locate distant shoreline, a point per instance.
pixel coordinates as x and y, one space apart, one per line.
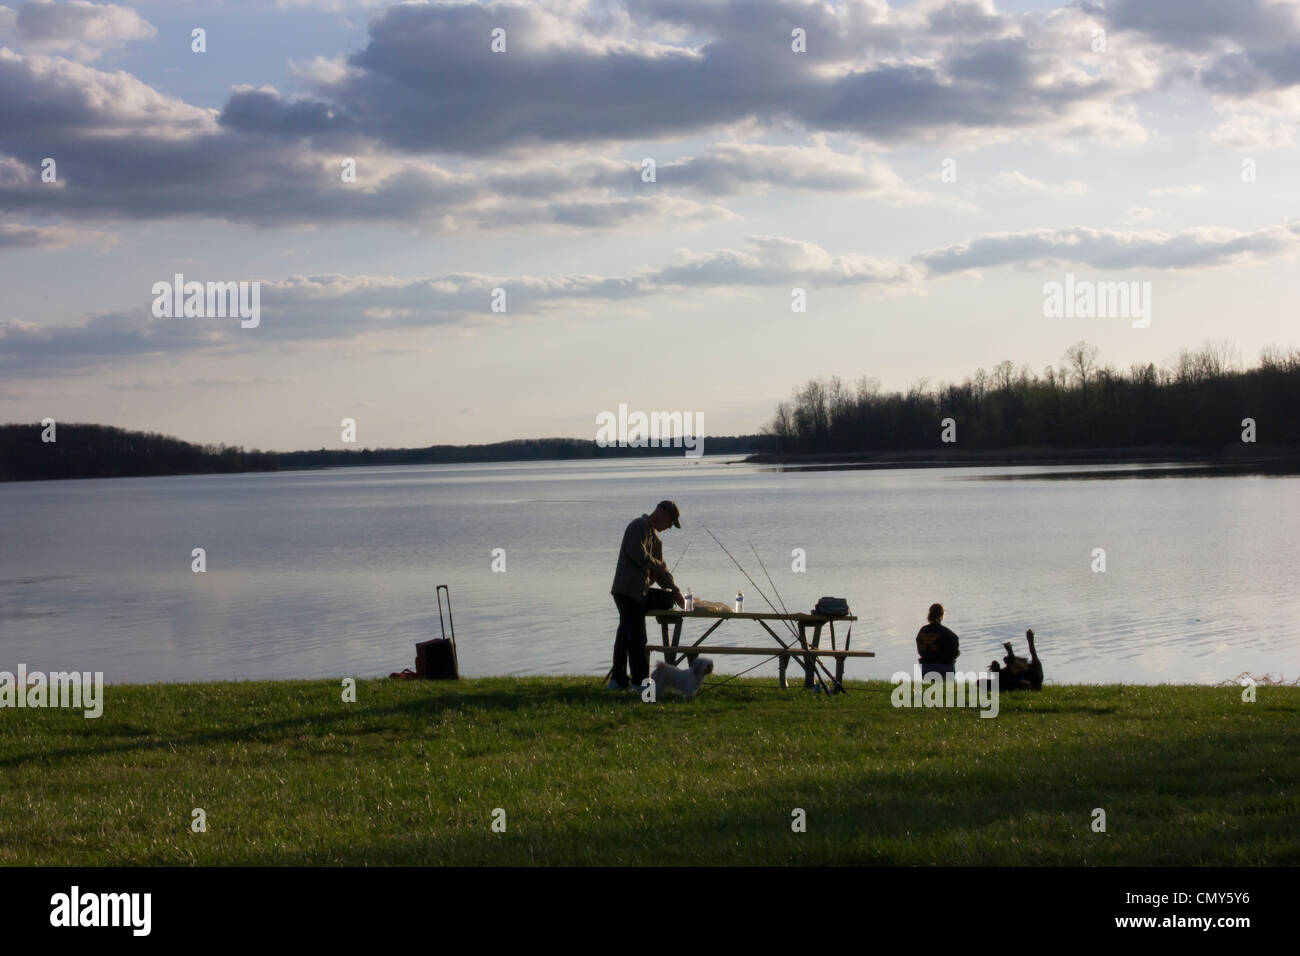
76 450
1190 464
1279 460
85 451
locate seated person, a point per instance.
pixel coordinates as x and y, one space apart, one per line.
936 645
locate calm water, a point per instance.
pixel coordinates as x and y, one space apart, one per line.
332 573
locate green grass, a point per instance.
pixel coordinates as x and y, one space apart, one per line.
410 774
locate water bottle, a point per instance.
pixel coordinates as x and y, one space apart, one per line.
740 603
690 600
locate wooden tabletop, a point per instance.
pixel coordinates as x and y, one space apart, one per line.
794 650
752 616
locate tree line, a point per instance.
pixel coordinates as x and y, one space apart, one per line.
1199 401
518 449
103 451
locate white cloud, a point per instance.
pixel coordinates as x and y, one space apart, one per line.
81 29
341 307
1255 130
142 155
1201 247
15 236
1017 182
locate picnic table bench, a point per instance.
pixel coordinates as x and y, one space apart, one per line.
807 653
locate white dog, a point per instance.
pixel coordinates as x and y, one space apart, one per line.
685 682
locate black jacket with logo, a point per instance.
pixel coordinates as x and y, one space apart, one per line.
937 648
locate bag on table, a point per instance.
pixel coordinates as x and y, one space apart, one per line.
657 599
832 607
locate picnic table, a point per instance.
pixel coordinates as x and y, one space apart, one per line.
806 652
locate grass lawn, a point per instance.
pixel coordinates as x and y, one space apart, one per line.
287 773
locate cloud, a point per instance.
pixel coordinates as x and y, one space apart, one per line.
450 137
342 307
1201 25
1245 54
1255 129
776 260
722 170
1113 249
326 307
166 384
28 348
1015 182
128 151
53 97
84 30
575 73
1183 192
16 236
125 151
732 168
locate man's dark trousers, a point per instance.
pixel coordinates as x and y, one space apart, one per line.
630 641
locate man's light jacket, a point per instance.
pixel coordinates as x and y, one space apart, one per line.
640 561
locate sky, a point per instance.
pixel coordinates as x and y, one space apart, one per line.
617 203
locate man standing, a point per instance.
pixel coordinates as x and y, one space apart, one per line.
640 561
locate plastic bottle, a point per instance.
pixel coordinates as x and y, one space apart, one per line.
690 601
740 603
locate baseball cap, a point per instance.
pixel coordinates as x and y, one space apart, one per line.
673 510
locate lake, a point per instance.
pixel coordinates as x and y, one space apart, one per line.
332 573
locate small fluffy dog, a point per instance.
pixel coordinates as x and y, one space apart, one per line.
686 681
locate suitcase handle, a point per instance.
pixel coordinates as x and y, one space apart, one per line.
442 624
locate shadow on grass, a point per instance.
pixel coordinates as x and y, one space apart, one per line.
436 701
1198 800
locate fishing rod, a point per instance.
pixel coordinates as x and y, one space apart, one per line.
825 670
752 582
741 674
769 578
794 633
746 671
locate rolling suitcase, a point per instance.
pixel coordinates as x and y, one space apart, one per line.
436 659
